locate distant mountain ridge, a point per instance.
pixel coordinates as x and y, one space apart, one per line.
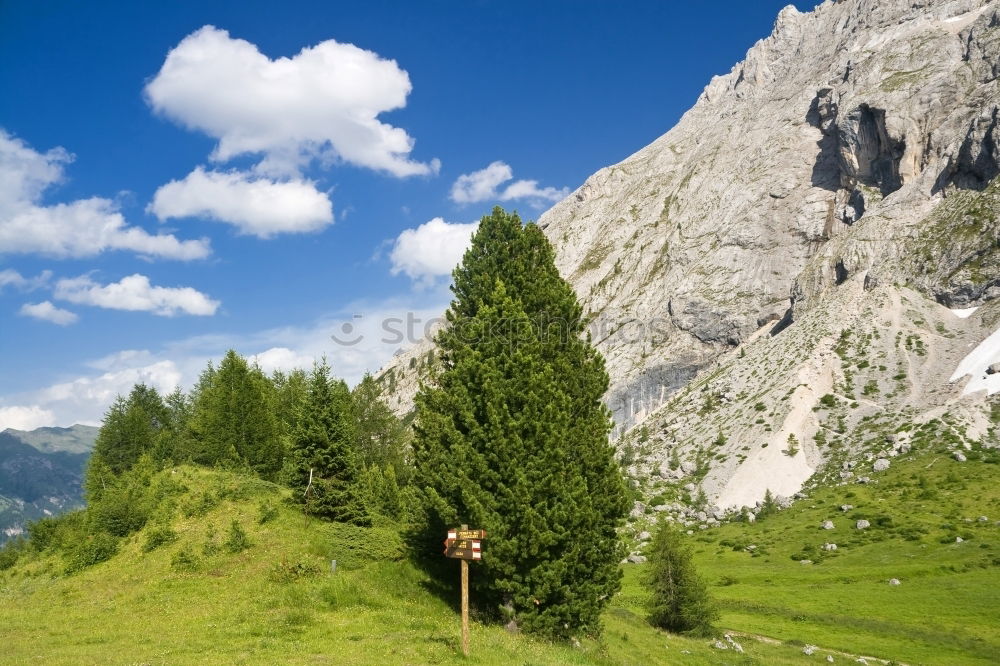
75 439
41 474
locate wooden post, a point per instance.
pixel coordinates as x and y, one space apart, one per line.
465 604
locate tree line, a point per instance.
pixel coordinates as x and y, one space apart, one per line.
343 452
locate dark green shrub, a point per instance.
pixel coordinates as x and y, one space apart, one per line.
42 533
237 540
97 548
268 512
158 536
11 553
288 572
202 504
184 560
883 521
211 546
58 534
127 502
120 512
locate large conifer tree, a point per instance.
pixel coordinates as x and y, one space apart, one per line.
234 418
323 451
512 436
381 436
132 426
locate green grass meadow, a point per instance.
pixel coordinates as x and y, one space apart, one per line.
176 594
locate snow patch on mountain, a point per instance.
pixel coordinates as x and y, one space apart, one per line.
977 364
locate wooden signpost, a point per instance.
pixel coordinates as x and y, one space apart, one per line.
464 544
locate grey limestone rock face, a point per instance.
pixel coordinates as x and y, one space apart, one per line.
825 153
839 179
856 111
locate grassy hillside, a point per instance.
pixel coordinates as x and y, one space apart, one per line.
946 608
190 600
175 593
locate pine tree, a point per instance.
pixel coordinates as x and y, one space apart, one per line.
381 492
289 400
381 436
324 463
132 426
290 395
512 436
173 444
768 507
234 418
679 601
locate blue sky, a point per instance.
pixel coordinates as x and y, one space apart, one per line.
179 178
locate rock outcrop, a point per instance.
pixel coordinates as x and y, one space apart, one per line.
776 271
858 117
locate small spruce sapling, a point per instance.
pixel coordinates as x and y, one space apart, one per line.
793 446
680 601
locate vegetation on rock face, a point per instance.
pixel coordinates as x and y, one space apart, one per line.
512 437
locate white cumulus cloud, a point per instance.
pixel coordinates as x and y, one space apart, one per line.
85 399
21 417
324 102
11 278
282 358
81 228
431 250
48 312
484 185
255 205
135 293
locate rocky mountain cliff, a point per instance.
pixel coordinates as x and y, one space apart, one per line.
775 273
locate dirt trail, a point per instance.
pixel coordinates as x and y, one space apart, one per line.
770 640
